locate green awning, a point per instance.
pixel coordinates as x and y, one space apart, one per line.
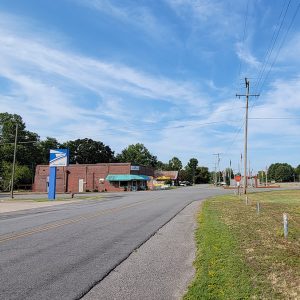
126 177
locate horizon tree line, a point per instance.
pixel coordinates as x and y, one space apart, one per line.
32 151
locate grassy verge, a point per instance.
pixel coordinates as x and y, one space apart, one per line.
242 254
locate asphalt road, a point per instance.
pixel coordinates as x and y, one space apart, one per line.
62 252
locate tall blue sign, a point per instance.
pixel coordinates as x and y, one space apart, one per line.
58 158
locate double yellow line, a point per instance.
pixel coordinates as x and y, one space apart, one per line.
14 236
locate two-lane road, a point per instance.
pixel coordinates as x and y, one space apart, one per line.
61 252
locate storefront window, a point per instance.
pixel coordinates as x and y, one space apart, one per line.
123 183
115 183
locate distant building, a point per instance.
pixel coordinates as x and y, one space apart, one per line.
165 177
252 181
101 177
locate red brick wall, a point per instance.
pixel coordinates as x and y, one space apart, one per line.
67 179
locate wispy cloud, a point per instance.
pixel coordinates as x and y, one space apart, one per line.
63 92
290 51
244 54
50 82
210 16
138 16
93 74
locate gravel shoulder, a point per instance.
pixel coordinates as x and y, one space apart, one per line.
161 268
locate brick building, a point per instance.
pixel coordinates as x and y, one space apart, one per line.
110 177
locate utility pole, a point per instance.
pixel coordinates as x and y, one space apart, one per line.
230 173
14 162
218 155
215 179
266 175
247 95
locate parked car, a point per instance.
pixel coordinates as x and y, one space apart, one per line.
184 183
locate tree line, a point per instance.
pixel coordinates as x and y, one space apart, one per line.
32 151
280 172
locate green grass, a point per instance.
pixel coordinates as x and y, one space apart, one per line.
242 254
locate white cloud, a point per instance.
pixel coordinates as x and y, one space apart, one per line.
46 83
210 16
290 51
244 53
62 93
137 16
202 9
92 74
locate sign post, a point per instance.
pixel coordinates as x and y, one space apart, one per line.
58 158
52 183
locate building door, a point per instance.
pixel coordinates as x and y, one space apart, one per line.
134 186
80 185
47 184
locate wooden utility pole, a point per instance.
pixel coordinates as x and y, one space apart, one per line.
247 95
218 155
14 163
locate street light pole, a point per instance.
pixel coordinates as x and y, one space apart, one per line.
14 162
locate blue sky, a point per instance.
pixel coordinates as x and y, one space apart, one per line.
164 73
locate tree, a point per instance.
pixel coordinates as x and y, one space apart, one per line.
213 176
183 175
44 148
262 176
137 154
202 175
27 141
297 172
281 172
161 166
23 175
27 155
88 151
228 175
175 164
191 169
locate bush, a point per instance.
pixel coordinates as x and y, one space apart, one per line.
23 175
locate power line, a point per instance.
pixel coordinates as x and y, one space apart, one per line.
275 118
145 130
29 142
272 44
244 34
281 45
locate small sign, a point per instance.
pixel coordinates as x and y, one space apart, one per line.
135 168
59 158
237 178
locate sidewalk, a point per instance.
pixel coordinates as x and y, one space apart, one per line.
16 205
